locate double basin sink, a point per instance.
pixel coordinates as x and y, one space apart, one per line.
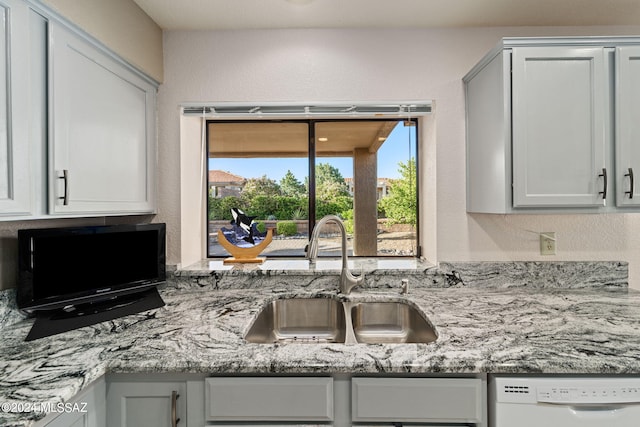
330 320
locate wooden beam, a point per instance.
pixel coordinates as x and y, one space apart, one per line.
365 215
381 137
288 154
249 155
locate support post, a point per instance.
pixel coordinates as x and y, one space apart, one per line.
365 176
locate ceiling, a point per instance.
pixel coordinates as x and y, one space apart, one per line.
263 14
286 139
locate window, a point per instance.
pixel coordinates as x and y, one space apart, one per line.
287 174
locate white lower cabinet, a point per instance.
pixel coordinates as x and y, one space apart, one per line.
269 399
343 401
88 409
146 403
446 401
340 400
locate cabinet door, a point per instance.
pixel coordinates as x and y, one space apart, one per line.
560 122
102 131
415 400
628 126
142 404
269 399
15 172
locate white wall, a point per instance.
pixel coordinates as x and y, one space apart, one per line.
362 65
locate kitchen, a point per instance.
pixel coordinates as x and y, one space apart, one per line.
344 64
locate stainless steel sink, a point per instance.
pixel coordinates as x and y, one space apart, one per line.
390 322
300 320
326 320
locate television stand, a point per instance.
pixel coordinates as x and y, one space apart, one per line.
54 322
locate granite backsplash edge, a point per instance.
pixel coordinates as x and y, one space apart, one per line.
539 274
503 274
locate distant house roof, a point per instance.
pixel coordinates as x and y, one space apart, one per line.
218 176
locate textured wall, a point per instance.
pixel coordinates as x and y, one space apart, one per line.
363 65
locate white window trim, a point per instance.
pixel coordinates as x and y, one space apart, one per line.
271 110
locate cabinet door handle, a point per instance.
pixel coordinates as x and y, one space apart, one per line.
631 183
65 178
604 179
174 409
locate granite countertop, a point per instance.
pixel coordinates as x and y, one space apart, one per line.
502 329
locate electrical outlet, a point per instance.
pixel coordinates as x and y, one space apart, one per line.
548 243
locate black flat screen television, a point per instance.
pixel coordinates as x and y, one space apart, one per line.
64 268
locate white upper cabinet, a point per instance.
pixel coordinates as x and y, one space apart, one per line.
77 123
628 126
559 135
15 167
540 126
102 155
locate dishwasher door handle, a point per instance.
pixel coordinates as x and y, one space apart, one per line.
595 411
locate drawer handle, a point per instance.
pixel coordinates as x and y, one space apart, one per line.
65 178
631 183
174 409
604 179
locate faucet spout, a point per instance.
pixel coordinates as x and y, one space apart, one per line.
347 280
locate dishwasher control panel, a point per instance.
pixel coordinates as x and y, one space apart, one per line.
586 394
568 390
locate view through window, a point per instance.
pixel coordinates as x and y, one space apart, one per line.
287 175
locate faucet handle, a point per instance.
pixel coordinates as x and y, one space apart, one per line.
348 281
359 279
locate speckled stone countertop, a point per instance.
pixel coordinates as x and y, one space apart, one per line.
513 327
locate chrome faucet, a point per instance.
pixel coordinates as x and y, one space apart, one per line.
347 280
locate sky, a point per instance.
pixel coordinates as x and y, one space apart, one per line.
399 146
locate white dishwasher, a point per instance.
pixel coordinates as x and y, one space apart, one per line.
565 402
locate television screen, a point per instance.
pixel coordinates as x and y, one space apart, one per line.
61 267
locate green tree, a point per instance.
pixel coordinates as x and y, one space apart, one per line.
329 182
290 186
261 206
262 186
400 205
220 208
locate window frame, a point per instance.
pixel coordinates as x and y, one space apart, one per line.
311 158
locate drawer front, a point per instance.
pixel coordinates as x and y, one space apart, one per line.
269 399
416 399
